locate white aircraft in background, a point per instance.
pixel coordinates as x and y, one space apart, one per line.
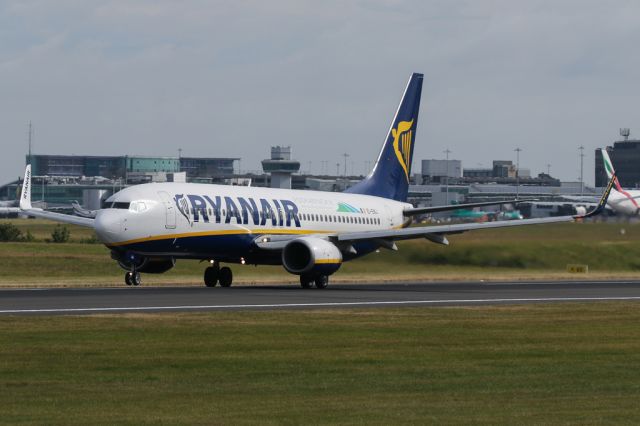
310 233
624 201
9 207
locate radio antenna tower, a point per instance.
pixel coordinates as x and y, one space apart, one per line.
345 155
625 132
581 148
30 138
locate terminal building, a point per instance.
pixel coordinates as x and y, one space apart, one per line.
126 167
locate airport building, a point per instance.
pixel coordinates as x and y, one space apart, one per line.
122 167
435 171
625 156
58 180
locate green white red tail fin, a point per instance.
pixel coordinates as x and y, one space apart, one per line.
608 167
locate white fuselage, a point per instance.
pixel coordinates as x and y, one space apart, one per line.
625 202
201 220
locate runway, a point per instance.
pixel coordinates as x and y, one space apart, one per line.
175 299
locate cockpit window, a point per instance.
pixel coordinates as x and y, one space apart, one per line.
120 205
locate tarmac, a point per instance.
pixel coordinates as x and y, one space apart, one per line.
47 301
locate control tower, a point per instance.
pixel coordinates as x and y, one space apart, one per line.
281 166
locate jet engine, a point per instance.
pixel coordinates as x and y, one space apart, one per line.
311 256
149 265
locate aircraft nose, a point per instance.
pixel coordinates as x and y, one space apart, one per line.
108 224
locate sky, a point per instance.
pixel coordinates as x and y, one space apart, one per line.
231 79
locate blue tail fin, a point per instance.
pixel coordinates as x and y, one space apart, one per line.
390 175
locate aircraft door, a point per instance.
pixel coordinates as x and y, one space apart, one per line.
170 210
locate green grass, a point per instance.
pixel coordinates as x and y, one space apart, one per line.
536 364
516 253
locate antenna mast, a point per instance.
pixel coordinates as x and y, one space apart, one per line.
30 137
581 148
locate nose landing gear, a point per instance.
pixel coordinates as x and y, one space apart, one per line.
132 278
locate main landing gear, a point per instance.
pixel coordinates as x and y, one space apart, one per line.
215 274
132 278
319 282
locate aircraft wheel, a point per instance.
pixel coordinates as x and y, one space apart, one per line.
127 278
225 276
322 281
305 282
211 276
135 278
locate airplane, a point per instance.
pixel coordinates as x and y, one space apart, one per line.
148 227
78 210
9 207
624 201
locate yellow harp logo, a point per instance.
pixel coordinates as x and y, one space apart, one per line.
402 144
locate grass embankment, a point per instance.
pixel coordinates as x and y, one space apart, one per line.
517 253
542 364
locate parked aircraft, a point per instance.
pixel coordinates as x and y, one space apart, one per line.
310 233
624 201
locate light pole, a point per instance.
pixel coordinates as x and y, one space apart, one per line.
345 155
581 149
517 150
447 152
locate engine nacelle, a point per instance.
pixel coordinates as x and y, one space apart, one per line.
148 265
311 256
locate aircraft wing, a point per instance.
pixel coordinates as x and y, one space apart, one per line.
5 210
26 208
578 198
437 233
422 210
59 217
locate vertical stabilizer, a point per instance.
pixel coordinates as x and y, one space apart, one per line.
390 175
608 167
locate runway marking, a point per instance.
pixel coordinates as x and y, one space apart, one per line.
340 285
319 304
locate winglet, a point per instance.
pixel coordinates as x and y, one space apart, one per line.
25 196
603 200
